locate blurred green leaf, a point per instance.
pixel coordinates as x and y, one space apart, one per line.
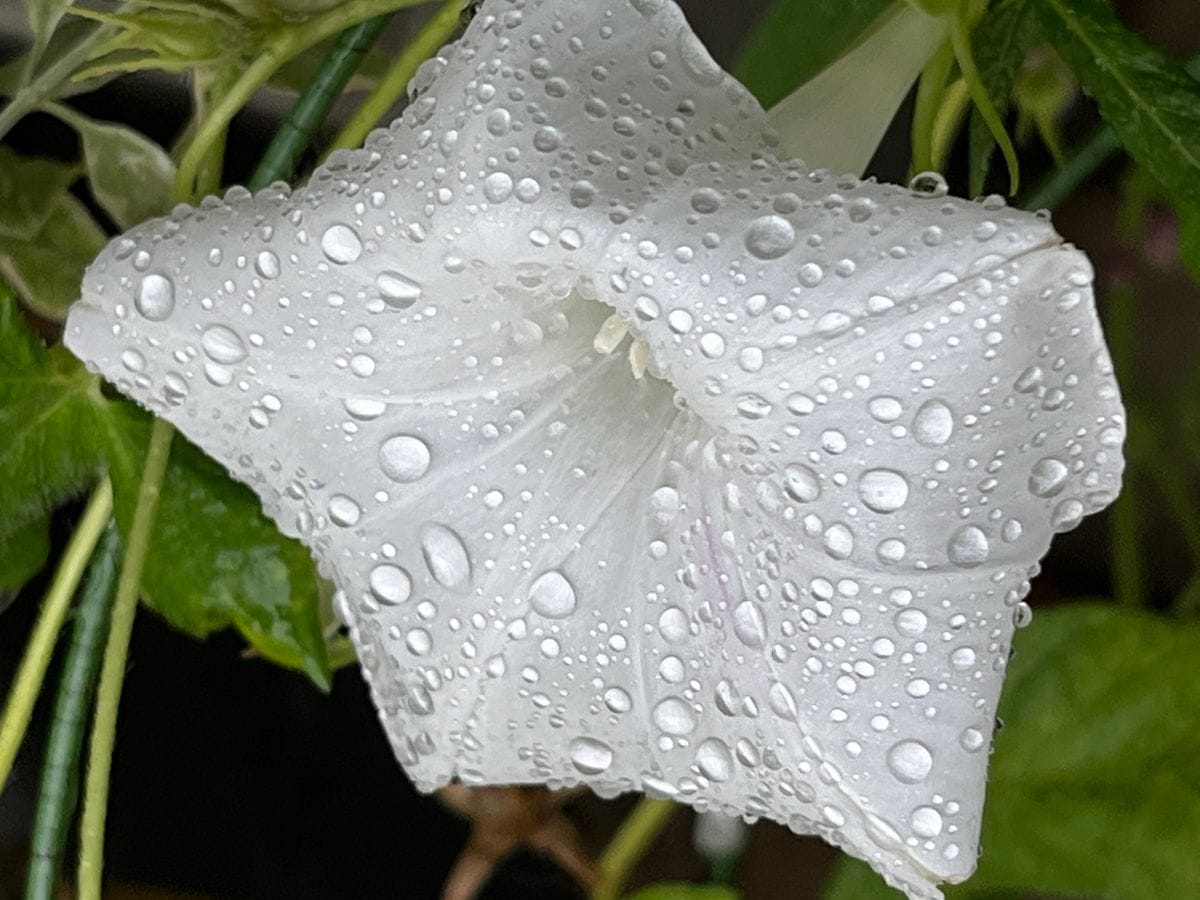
1148 97
681 890
1001 40
47 422
1093 790
298 72
44 16
796 39
215 559
30 191
1044 90
1189 238
23 553
47 270
129 175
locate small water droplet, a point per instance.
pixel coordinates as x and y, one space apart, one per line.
341 244
883 490
404 458
968 547
552 596
933 424
445 555
155 297
390 584
397 290
590 756
674 716
910 761
223 345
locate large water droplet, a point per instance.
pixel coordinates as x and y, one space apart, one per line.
801 483
926 822
1048 477
749 625
223 345
770 237
968 547
404 458
397 290
910 761
390 584
675 717
933 424
445 555
883 490
155 298
341 244
590 756
552 596
344 510
714 760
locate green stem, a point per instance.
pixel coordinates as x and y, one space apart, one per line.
286 44
428 41
313 105
930 93
59 791
29 677
112 675
948 121
629 845
1103 146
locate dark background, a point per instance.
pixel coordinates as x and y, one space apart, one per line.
235 779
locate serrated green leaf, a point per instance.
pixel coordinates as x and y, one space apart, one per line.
215 559
682 890
1001 40
1148 97
30 191
47 422
1093 790
46 271
23 553
129 175
796 39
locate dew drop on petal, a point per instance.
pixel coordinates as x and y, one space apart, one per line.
223 345
714 760
926 822
968 547
445 556
404 458
341 244
390 584
397 290
590 756
770 237
155 298
552 596
1048 477
883 490
344 510
933 424
910 761
675 717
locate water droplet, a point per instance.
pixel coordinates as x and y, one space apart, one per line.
801 483
341 244
910 761
770 237
266 264
404 458
223 345
397 290
926 822
883 490
749 625
971 740
929 186
445 555
590 756
673 716
1048 477
552 596
343 510
968 547
714 760
155 298
618 700
390 584
933 424
885 409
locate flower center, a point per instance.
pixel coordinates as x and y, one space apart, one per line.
610 337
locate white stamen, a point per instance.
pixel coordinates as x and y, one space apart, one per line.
611 333
639 358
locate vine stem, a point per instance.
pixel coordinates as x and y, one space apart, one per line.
629 845
435 33
54 611
112 674
59 790
286 44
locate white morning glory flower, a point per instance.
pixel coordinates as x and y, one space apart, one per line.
642 458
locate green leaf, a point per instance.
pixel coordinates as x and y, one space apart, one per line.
43 16
1001 40
1189 238
1148 97
30 191
23 553
129 175
796 39
47 422
215 559
682 890
47 270
1093 790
